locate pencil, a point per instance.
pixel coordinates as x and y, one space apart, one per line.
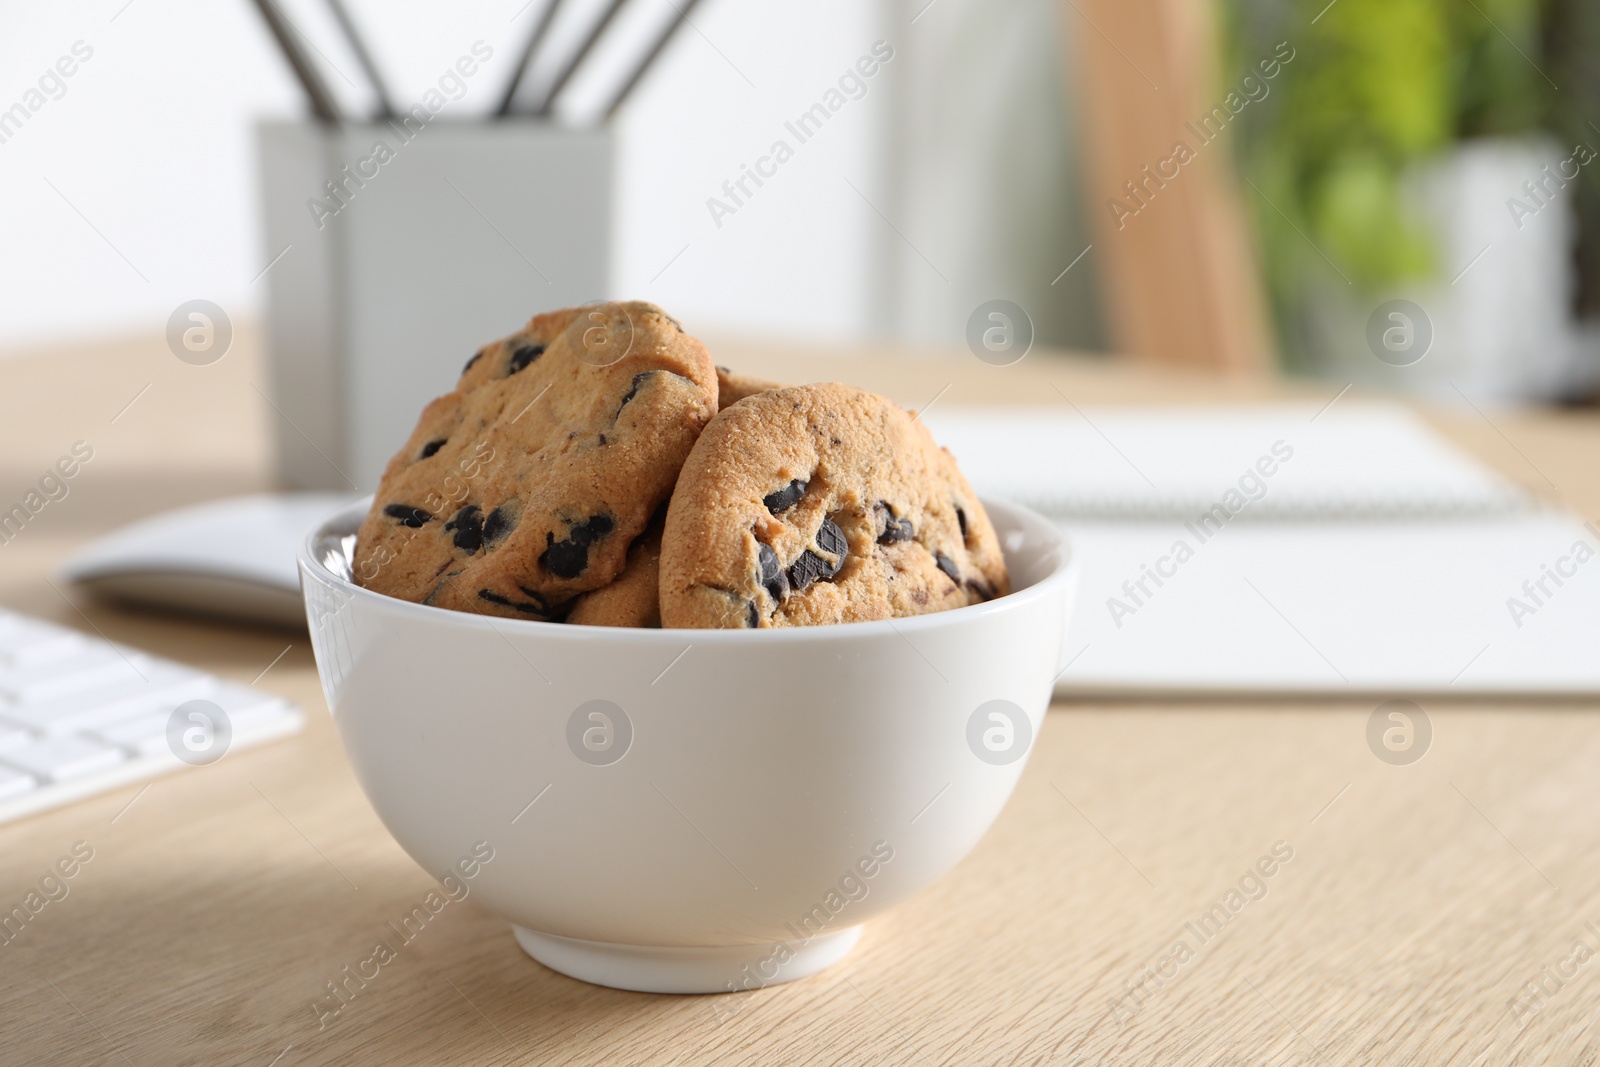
561 79
322 104
348 27
649 58
540 26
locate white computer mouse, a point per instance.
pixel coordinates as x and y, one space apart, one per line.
229 558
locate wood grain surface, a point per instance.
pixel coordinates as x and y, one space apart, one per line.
1407 912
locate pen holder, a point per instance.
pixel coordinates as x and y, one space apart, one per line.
402 248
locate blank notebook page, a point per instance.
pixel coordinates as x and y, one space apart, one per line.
1168 462
1278 549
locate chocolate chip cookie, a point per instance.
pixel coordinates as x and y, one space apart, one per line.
526 486
732 388
821 504
633 599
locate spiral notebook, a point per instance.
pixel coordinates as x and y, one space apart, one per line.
1290 549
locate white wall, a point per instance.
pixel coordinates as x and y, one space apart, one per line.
801 255
135 191
986 172
149 143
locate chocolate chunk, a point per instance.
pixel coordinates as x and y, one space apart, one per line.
474 358
438 586
785 498
811 566
981 587
526 608
723 369
807 569
539 599
597 526
569 558
431 447
948 565
468 527
894 528
633 391
772 578
961 520
501 521
524 355
408 515
831 540
752 617
564 559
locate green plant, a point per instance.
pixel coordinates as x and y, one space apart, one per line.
1377 87
1572 59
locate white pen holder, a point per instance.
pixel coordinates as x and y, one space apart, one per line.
403 248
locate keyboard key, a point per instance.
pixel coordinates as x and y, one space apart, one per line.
32 645
143 736
248 711
13 736
165 686
61 759
98 664
12 624
13 784
79 715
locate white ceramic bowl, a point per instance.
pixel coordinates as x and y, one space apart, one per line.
689 810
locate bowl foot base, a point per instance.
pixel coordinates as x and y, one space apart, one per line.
708 969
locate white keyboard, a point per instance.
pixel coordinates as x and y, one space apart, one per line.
79 716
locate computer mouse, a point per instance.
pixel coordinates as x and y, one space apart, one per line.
232 559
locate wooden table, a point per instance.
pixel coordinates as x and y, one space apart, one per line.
1417 903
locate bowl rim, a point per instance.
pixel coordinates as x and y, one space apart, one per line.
1063 575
